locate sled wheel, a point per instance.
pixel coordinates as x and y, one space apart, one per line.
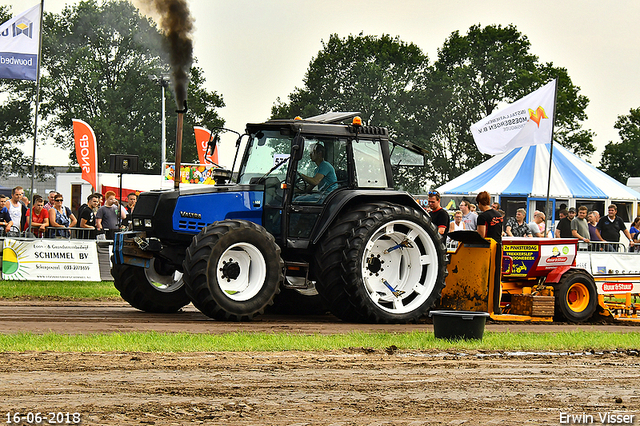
381 263
576 297
150 289
233 270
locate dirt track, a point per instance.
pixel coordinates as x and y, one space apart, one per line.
351 387
106 317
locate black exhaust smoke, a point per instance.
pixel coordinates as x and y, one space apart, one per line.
177 23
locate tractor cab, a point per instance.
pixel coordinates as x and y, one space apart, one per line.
307 166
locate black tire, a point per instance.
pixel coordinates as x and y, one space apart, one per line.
240 285
576 297
350 264
148 290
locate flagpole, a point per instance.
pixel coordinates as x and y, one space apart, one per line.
35 123
553 125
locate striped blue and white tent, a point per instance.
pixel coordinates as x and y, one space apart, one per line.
523 172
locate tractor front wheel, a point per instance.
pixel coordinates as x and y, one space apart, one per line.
233 270
576 297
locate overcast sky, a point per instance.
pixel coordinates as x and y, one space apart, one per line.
254 51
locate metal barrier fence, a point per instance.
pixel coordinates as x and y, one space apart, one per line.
58 233
607 246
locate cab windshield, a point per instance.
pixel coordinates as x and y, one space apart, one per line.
266 150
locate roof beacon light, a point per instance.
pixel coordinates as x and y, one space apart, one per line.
298 118
357 121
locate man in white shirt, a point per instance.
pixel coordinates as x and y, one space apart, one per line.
534 225
17 210
469 217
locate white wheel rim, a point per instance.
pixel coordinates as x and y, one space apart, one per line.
402 279
241 271
163 283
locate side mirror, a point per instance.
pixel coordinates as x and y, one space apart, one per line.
297 149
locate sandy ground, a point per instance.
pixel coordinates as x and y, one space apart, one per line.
350 387
114 316
334 388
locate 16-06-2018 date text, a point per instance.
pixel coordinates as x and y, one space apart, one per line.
46 418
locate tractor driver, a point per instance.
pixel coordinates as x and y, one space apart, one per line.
324 175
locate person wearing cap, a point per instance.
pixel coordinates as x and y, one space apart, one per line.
563 230
572 213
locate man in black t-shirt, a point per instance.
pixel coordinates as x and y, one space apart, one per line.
563 230
88 217
439 216
609 227
490 221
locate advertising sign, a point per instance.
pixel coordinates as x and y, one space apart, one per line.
524 257
19 41
86 151
50 259
202 141
191 173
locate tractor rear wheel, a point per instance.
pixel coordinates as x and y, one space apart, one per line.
381 263
576 297
233 270
152 289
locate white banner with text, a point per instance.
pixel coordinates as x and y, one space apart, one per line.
50 259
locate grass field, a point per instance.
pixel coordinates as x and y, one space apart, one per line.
186 342
235 342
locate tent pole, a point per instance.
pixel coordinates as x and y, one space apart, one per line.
35 122
553 125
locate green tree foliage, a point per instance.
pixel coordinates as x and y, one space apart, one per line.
620 159
480 71
383 77
393 85
97 59
16 114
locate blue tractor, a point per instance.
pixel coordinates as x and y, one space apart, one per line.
312 209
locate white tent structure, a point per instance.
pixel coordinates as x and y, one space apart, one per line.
523 173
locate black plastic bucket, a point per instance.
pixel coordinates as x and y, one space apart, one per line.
455 325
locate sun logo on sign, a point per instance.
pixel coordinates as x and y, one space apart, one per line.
12 252
537 115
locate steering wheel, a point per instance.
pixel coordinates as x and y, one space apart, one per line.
299 183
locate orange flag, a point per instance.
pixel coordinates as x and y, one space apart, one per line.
202 140
86 151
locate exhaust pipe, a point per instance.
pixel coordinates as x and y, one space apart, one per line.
177 175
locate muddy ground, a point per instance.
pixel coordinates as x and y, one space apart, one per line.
349 387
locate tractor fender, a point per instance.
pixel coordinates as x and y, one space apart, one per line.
556 274
341 200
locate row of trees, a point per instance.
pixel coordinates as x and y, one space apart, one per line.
433 104
97 57
96 61
394 84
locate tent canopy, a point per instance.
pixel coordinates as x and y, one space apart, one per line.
525 171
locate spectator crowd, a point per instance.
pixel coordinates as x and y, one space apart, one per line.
488 219
53 219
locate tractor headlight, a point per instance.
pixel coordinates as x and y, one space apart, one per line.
147 223
136 222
